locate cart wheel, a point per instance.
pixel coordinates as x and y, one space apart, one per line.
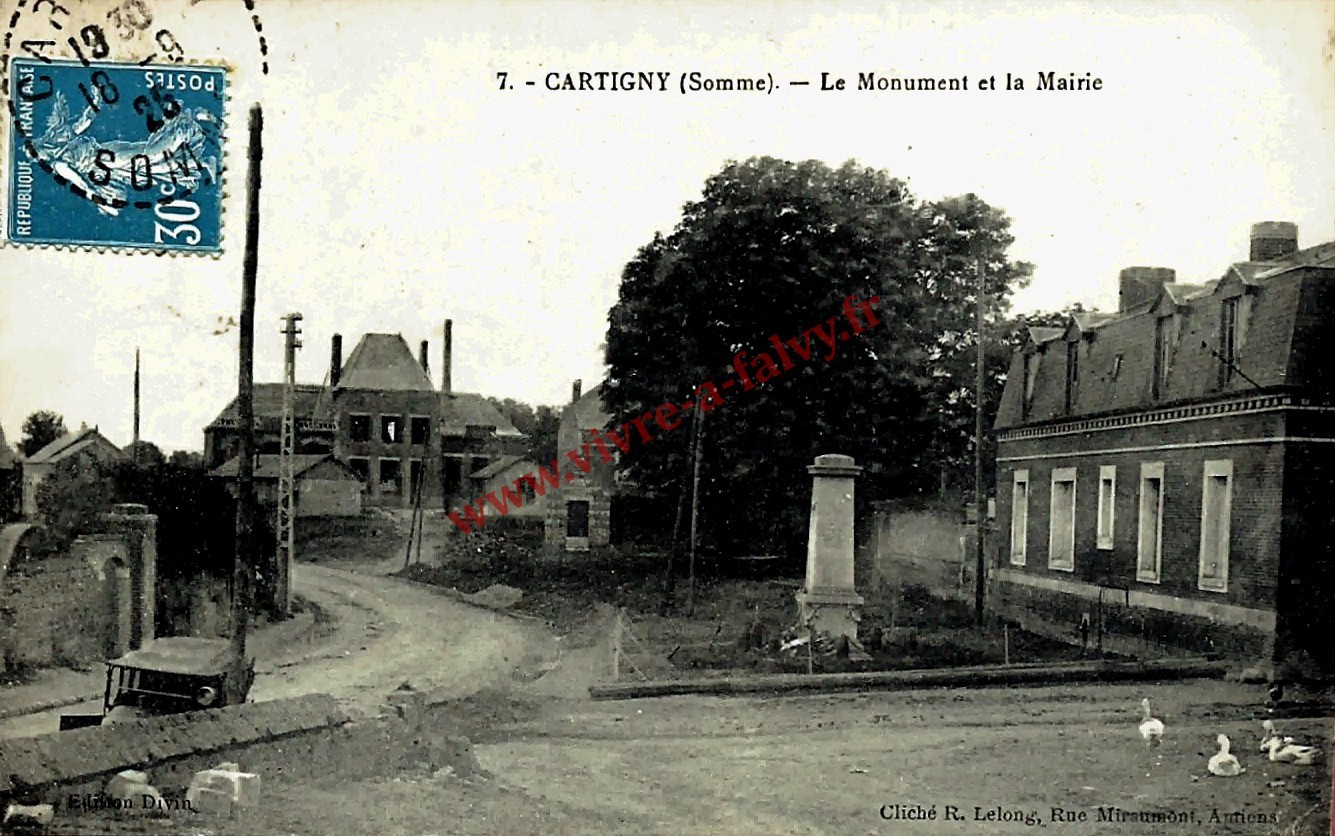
124 714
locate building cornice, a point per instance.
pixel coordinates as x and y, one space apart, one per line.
1249 405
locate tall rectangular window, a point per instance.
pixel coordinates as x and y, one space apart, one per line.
419 428
391 477
1019 517
1072 373
359 427
1149 527
1061 530
1228 339
391 429
1107 505
1216 510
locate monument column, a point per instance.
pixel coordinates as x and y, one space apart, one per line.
829 602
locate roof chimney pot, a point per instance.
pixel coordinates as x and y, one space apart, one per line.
335 360
445 384
1138 285
1273 240
576 390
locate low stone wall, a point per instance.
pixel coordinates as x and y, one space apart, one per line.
1127 630
297 739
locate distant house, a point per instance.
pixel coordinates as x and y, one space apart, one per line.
1167 472
382 416
579 516
325 487
504 473
87 443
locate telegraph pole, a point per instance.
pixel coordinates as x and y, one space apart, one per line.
135 445
287 486
980 492
243 562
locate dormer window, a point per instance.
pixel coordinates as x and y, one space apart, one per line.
1163 345
1230 337
1027 394
1072 373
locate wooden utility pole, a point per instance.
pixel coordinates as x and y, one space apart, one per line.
980 492
244 561
135 446
698 425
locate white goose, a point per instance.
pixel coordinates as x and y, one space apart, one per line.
1224 764
1286 751
1269 727
1151 729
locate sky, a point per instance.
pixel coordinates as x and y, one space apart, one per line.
402 187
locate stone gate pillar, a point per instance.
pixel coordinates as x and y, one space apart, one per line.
139 530
829 602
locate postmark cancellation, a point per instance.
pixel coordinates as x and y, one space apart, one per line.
116 155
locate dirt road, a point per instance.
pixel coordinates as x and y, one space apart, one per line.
380 631
988 761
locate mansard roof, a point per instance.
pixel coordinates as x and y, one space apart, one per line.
1288 331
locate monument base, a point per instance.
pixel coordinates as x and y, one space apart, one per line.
835 612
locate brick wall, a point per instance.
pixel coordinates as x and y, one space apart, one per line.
1230 621
403 405
1307 565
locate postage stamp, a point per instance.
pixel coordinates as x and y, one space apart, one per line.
120 155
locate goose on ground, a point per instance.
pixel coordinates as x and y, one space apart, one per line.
1286 751
1268 732
1151 729
1223 764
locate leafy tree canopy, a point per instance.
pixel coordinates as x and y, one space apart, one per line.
773 248
40 429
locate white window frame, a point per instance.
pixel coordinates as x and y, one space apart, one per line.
1148 471
1061 474
1019 518
1107 516
1215 469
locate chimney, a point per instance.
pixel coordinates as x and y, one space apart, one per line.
1273 240
1136 285
576 390
446 358
335 360
421 354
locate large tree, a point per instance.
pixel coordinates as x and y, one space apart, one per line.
774 248
40 429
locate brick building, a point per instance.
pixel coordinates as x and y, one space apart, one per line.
579 516
380 414
1166 473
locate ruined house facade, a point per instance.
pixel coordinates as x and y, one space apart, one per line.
380 414
1166 473
579 516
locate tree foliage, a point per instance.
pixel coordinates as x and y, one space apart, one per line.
148 454
773 248
40 429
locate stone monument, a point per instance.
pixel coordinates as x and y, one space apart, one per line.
828 603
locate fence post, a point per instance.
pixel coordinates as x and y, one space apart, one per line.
616 648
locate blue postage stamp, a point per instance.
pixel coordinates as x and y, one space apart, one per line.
116 155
